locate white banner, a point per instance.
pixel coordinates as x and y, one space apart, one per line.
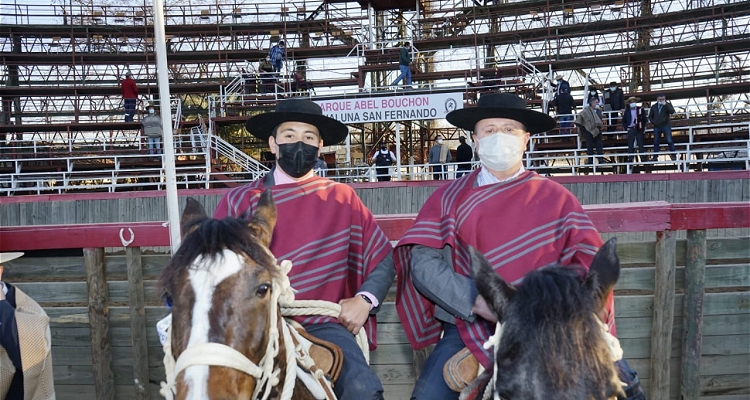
396 108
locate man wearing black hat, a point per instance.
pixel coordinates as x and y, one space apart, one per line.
339 252
25 344
521 221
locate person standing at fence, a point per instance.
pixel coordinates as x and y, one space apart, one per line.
564 106
659 116
439 156
25 344
129 96
464 155
339 252
616 101
589 122
383 160
278 56
543 223
634 121
152 129
404 66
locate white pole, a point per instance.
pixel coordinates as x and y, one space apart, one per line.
398 152
173 213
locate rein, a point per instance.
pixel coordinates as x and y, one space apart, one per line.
267 377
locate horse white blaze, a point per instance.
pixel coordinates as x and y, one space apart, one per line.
205 275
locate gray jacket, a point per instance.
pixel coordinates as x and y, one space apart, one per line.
434 156
152 126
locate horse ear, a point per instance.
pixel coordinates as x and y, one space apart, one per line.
605 269
193 210
496 292
263 220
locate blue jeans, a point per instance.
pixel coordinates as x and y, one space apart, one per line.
438 172
154 145
633 390
667 130
405 75
566 122
431 383
356 380
129 105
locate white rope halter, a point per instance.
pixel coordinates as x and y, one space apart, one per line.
267 377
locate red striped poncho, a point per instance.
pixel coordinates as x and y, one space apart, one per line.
331 238
519 225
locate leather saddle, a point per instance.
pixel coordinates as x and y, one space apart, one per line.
461 370
327 356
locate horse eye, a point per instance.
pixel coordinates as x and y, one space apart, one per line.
263 290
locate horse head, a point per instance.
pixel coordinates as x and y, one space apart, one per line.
551 341
220 283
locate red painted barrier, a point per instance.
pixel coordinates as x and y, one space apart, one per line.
630 217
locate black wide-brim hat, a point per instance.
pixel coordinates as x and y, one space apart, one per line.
297 110
501 105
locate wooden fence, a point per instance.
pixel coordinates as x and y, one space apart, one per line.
685 330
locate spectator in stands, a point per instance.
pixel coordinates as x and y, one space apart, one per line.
464 154
404 66
634 122
560 85
152 129
659 116
300 83
591 94
589 121
277 55
616 101
320 166
542 222
439 156
267 76
383 160
25 344
248 83
564 106
129 96
339 252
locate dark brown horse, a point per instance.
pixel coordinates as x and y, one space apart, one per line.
225 321
551 344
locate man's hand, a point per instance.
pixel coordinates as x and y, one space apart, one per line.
483 310
354 313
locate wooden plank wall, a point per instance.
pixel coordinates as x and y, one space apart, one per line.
59 285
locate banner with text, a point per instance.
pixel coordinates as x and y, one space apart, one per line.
397 108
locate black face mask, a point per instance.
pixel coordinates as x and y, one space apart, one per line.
297 159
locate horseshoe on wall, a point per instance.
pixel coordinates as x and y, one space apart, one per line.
126 243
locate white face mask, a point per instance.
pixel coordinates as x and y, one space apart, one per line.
440 141
150 110
613 87
500 151
593 92
632 105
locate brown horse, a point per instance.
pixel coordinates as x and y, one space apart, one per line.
551 344
225 320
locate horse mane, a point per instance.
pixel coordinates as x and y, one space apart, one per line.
208 237
553 318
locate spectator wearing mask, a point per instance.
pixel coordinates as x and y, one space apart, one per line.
634 122
560 85
589 121
404 66
439 156
659 116
616 100
277 55
152 129
129 96
464 154
383 160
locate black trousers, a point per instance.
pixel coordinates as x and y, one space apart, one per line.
592 141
